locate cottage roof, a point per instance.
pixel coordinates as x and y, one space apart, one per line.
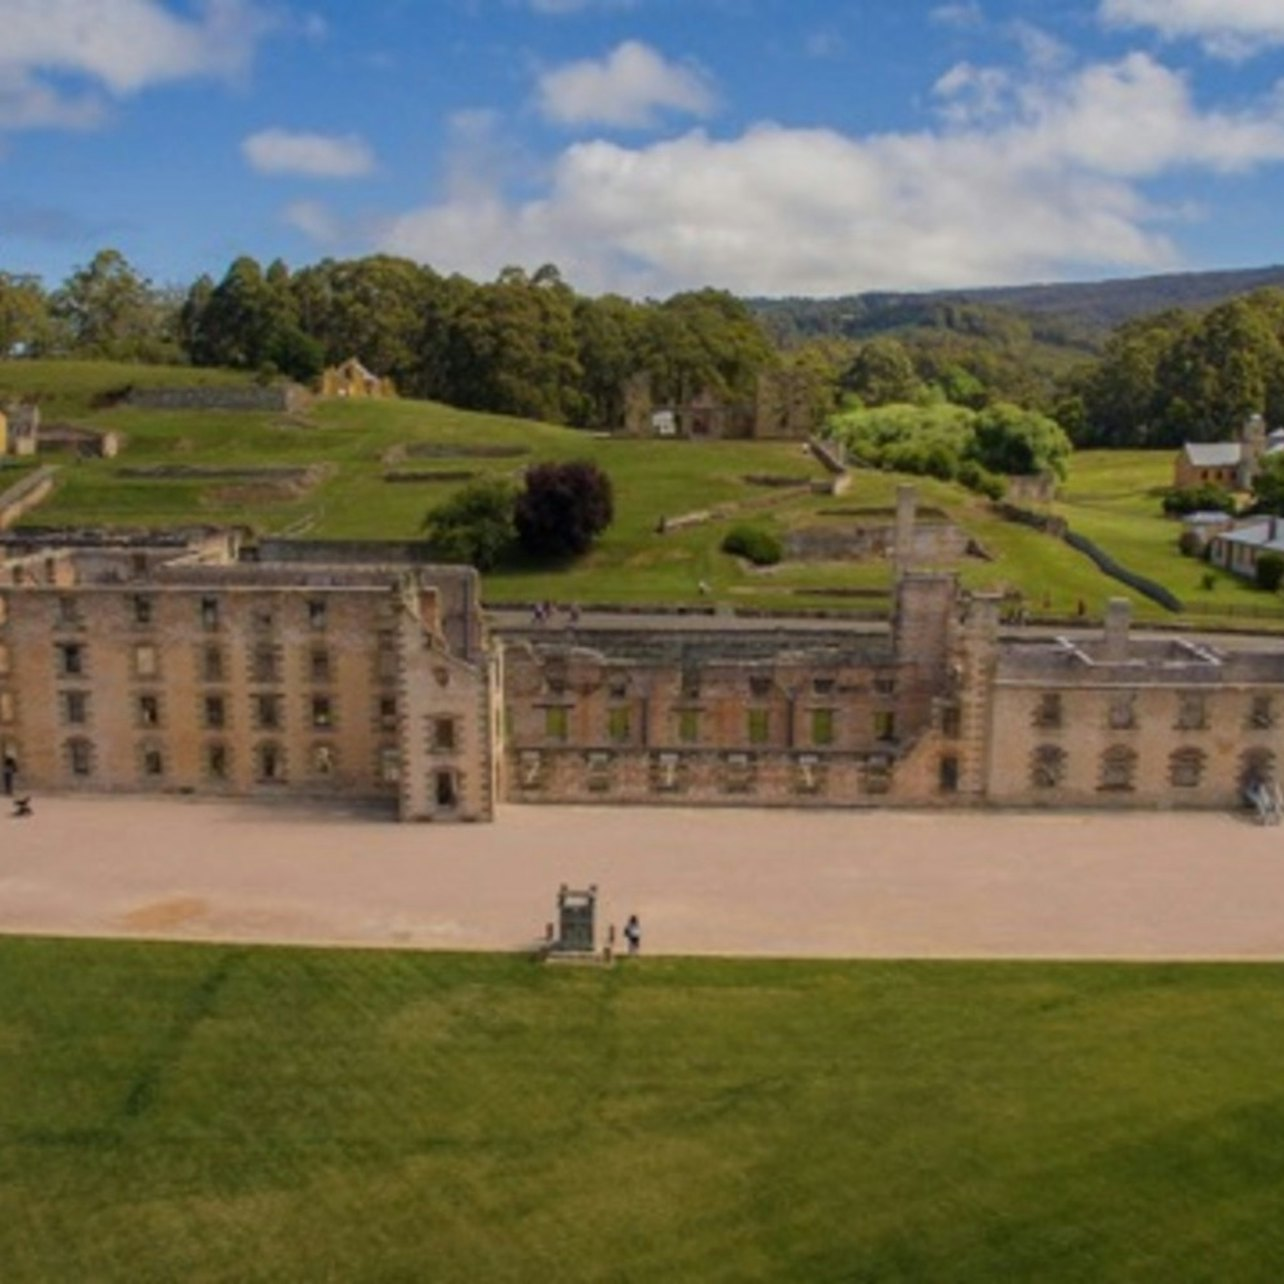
1263 533
1213 454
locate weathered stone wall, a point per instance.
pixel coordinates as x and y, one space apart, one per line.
236 680
458 587
276 397
701 715
929 542
448 731
1176 732
24 495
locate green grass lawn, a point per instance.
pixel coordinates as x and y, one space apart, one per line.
238 1114
1112 497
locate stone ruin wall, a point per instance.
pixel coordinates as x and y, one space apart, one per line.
928 542
281 398
647 717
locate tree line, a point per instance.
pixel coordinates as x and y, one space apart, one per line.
1182 376
524 344
527 344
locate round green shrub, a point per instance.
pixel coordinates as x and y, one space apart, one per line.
1269 571
760 547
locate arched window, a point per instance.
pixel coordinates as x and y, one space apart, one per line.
1186 767
1118 769
1047 766
1256 767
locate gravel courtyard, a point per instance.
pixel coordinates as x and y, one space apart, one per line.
737 882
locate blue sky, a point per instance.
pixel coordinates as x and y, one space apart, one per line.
646 146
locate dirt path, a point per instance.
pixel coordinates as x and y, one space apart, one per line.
837 884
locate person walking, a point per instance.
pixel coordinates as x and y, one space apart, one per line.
10 774
633 934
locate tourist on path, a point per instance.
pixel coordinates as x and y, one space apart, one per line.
633 934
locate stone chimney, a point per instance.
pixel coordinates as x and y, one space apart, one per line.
1118 618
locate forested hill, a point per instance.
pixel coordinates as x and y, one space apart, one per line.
1079 314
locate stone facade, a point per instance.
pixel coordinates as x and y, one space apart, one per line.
782 714
937 711
19 428
158 663
139 670
1126 723
352 379
784 406
1230 464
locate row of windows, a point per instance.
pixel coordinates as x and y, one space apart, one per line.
759 687
758 725
265 663
267 712
732 773
1191 713
269 761
1117 767
142 613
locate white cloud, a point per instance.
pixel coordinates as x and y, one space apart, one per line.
1048 182
117 46
971 95
1042 51
627 88
1227 28
315 222
279 151
27 103
963 15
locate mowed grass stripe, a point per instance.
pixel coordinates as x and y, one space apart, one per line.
310 1115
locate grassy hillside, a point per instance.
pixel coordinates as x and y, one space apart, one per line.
68 389
230 1114
352 447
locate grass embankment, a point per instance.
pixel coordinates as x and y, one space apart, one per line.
211 1113
1114 497
1111 497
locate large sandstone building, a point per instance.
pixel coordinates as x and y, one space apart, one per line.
145 666
187 665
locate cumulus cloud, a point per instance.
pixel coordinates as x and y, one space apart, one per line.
279 151
1046 182
116 46
629 88
1227 28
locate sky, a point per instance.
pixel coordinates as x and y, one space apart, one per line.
768 147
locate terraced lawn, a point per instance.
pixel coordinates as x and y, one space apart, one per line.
1112 497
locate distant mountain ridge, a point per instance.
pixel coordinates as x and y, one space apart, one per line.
1082 311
